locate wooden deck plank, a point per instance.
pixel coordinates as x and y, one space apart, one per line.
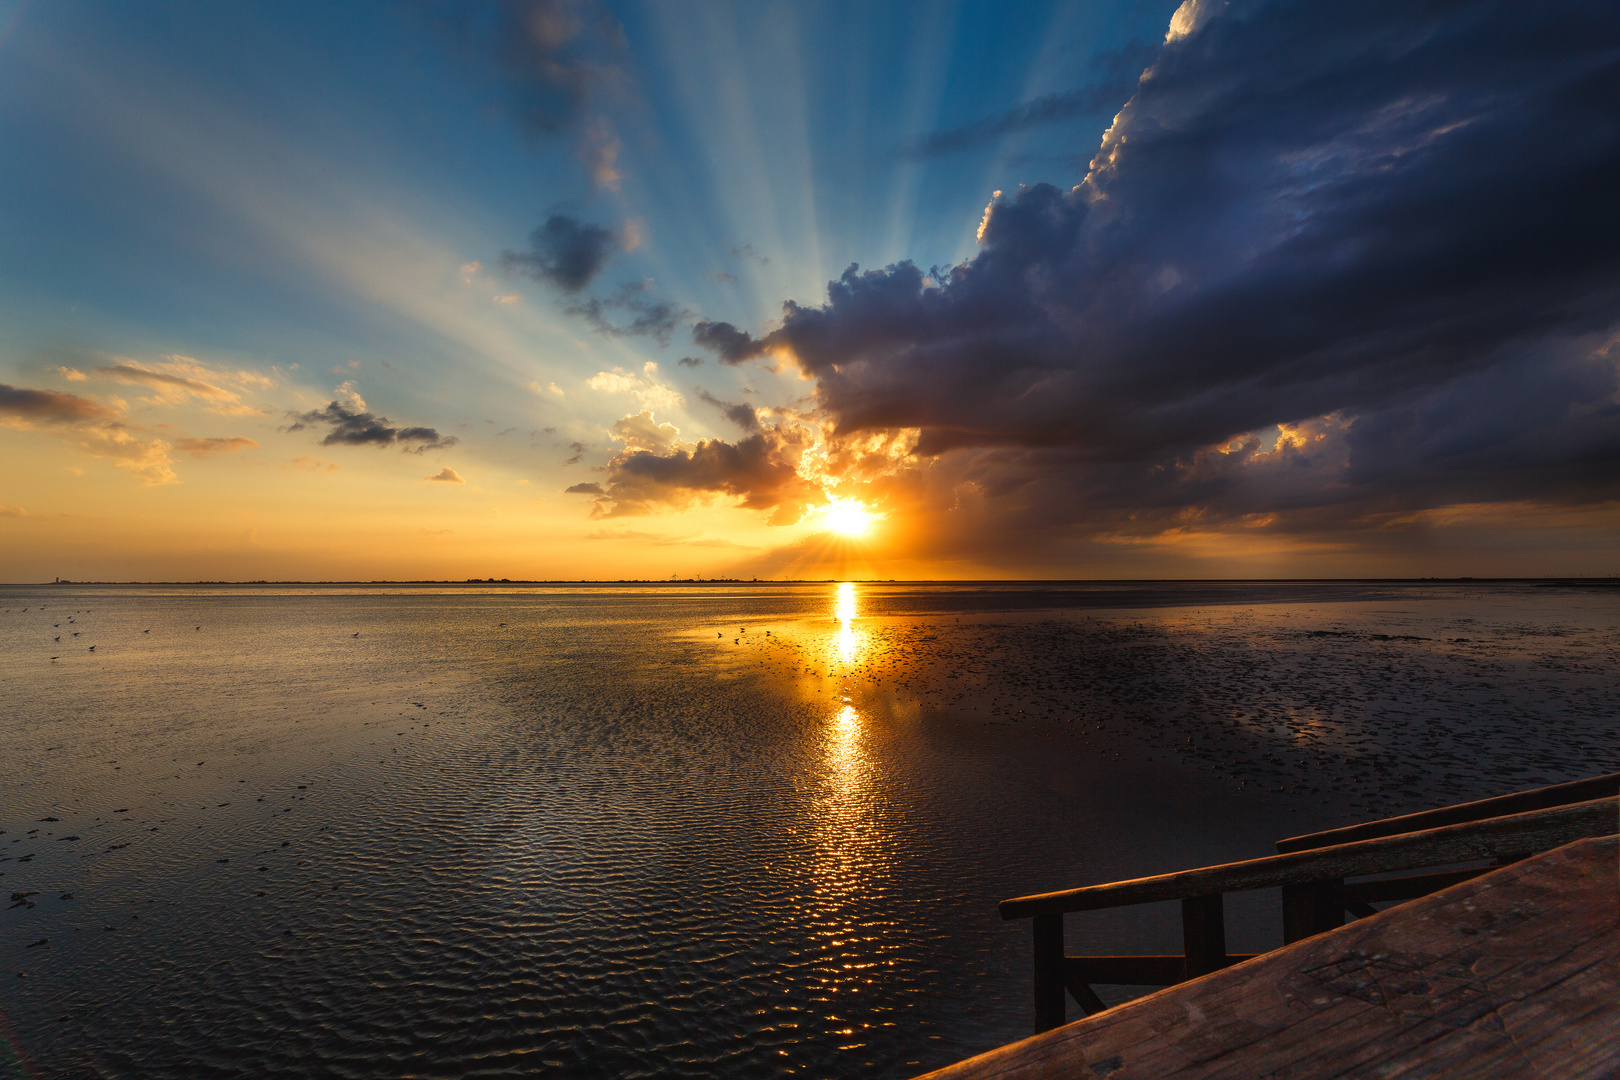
1510 974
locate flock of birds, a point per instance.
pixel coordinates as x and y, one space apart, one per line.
72 621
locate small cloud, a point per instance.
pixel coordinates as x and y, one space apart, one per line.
351 427
584 489
446 475
509 298
49 406
746 251
639 431
690 361
205 447
13 511
648 393
599 149
564 252
544 388
312 464
75 470
723 277
73 374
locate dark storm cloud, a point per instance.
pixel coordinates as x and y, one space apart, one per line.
760 469
346 427
730 344
584 489
1396 215
50 405
741 415
549 55
564 252
1119 72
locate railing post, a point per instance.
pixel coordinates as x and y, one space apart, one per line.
1203 935
1310 909
1049 1003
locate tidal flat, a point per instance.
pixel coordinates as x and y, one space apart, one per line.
749 829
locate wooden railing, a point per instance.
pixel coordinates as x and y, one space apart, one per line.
1311 871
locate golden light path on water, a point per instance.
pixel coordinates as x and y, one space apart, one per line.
852 841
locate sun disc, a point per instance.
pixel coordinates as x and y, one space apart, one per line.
848 518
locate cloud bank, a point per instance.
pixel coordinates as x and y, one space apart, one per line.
1331 266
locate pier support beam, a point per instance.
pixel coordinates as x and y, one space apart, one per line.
1203 935
1049 972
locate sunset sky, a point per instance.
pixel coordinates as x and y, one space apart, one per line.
566 290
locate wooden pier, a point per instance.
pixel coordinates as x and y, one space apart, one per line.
1504 970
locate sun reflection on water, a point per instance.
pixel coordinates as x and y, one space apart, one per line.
850 640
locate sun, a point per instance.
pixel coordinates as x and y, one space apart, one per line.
847 517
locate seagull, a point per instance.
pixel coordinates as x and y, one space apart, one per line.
92 648
146 631
355 634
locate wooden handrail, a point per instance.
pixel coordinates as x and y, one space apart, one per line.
1596 787
1513 834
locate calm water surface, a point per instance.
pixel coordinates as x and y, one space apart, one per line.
744 830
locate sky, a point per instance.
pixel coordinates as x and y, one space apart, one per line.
561 290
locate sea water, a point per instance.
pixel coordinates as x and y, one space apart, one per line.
750 830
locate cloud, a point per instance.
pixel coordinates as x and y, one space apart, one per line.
640 431
731 345
648 391
743 416
13 511
761 472
550 56
50 406
179 379
312 464
206 447
446 475
690 361
96 429
350 427
649 317
73 374
564 252
1120 71
584 489
1389 225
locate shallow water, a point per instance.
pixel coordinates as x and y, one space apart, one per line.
666 831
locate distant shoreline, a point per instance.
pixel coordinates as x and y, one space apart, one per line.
1588 582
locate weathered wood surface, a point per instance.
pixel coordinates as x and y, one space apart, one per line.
1537 830
1514 974
1596 787
1150 970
